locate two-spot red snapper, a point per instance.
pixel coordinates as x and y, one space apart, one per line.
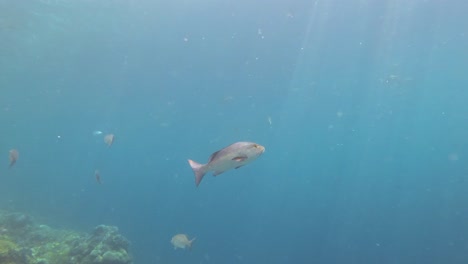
231 157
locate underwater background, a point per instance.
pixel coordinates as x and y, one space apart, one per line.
361 106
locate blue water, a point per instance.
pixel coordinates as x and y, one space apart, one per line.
366 151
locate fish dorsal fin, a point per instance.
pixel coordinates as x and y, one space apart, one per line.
213 156
239 158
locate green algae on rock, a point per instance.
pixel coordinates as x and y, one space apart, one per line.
9 253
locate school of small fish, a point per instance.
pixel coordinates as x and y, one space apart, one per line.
233 156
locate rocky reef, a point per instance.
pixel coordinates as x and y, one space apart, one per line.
23 241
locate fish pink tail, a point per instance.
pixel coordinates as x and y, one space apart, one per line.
198 170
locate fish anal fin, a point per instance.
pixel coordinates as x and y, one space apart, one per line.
239 158
216 173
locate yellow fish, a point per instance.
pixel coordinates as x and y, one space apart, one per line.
181 241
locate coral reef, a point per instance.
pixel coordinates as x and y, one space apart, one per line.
22 241
105 245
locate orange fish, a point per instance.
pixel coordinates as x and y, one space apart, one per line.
109 139
98 176
14 155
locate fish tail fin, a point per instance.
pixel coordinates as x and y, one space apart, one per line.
190 242
198 170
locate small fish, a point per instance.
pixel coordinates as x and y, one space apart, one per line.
109 139
97 132
97 175
230 157
181 241
14 155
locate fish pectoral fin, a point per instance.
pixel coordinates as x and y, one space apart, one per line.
238 166
240 158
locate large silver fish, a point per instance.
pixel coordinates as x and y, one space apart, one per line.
230 157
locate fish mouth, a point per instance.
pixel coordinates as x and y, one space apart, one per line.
259 148
262 149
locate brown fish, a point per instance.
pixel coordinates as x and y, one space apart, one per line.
14 155
181 241
97 175
109 139
230 157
